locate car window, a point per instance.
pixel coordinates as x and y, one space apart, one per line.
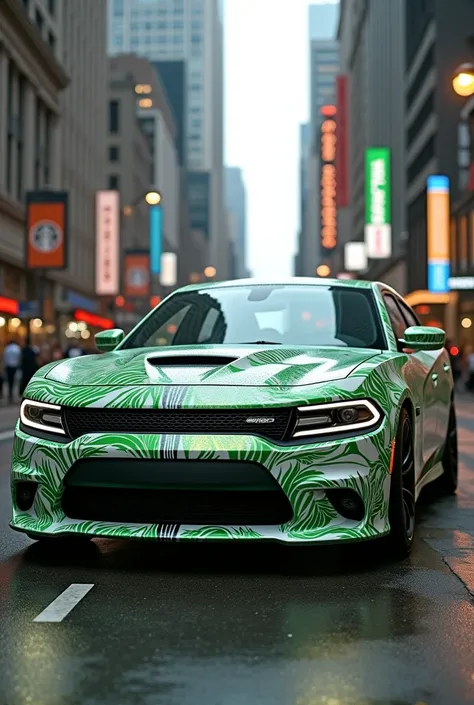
408 314
316 315
397 320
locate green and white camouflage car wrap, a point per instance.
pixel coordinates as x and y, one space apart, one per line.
260 380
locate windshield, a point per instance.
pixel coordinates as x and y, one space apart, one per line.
280 315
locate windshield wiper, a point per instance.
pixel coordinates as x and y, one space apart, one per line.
260 342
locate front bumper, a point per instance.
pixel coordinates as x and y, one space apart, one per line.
304 473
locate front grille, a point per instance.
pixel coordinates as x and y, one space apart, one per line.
203 507
161 491
80 421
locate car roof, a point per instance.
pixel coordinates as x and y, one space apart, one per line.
289 281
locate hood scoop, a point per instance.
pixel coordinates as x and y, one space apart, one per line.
190 361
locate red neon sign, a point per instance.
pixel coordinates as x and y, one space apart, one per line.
9 306
93 320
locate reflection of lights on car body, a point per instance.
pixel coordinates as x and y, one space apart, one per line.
244 383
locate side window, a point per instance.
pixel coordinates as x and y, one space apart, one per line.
399 325
408 314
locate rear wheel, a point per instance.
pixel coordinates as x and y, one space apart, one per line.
447 483
402 492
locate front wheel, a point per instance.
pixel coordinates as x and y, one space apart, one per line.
402 492
78 539
447 483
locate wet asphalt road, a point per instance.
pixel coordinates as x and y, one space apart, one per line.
207 625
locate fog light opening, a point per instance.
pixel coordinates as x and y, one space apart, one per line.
347 503
25 495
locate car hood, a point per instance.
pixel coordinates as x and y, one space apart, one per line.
243 365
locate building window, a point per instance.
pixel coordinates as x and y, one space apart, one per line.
19 137
39 20
52 41
11 127
117 8
26 4
114 154
114 182
52 7
114 117
47 147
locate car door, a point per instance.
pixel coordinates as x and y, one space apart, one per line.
417 374
441 377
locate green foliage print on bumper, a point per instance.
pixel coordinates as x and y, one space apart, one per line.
303 472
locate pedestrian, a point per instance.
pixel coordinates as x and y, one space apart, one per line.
11 363
29 364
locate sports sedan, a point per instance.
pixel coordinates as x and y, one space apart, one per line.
305 411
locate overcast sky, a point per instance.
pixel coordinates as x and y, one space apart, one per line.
267 92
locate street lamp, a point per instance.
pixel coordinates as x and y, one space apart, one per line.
323 270
153 198
463 80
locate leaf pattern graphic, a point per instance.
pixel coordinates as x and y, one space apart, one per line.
303 470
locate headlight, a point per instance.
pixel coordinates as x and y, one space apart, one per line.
42 416
339 417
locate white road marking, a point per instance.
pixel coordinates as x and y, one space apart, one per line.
6 435
64 603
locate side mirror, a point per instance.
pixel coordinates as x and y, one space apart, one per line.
107 340
420 338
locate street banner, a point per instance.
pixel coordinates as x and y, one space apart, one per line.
156 238
438 216
136 274
169 269
378 227
107 265
355 256
46 230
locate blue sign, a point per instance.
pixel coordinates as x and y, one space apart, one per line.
28 309
156 237
78 301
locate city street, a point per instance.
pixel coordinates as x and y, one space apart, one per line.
174 625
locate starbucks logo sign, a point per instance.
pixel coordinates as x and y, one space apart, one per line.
46 236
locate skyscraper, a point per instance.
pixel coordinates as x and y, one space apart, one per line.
323 69
236 200
323 20
191 30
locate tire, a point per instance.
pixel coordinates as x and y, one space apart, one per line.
402 492
78 539
447 483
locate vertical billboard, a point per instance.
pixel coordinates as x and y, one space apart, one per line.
136 275
46 229
437 202
378 228
342 147
107 264
169 269
355 256
328 184
156 238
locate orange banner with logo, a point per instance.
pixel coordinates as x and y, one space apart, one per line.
46 229
137 275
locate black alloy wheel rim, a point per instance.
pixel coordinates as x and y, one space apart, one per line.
408 480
